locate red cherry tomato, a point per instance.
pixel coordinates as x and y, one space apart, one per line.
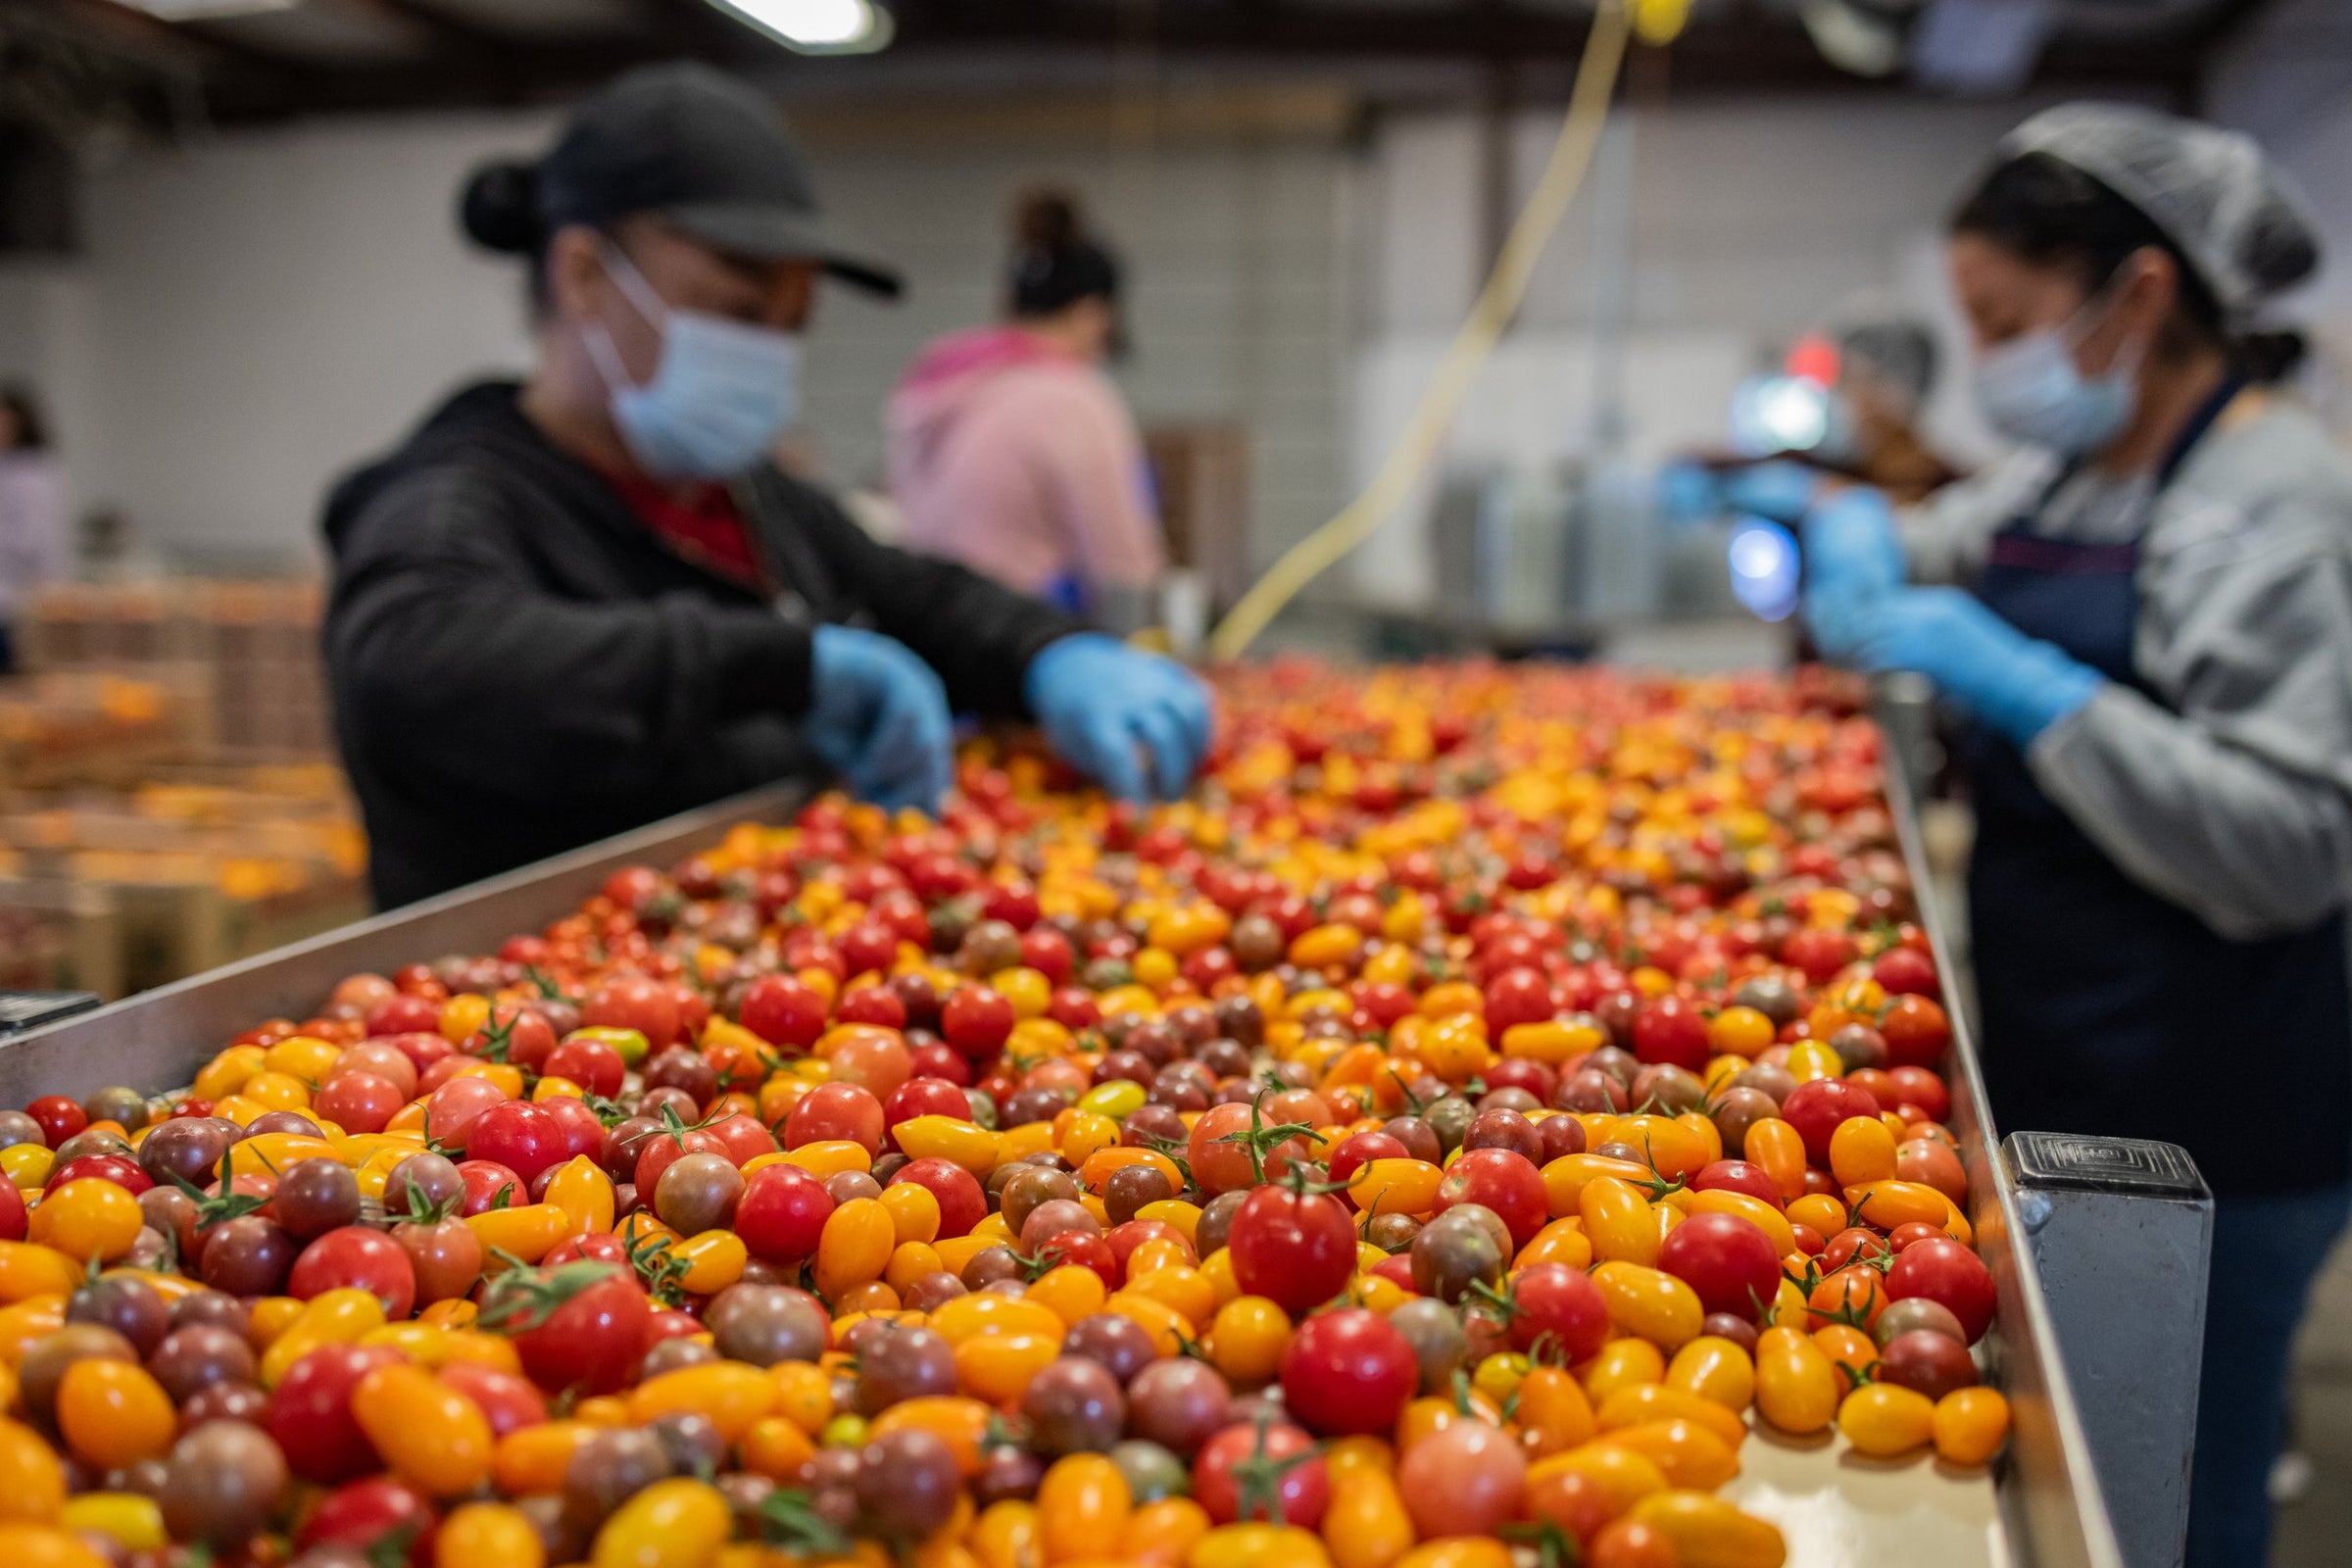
1505 1180
1817 1108
1555 1302
580 1326
976 1021
782 1214
1349 1372
1738 1176
635 1001
784 1012
962 1203
510 1403
837 1111
1301 1491
372 1517
590 1063
309 1412
1725 1259
60 1118
1296 1248
356 1257
1944 1270
523 1137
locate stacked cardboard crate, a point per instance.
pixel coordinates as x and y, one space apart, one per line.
252 648
192 813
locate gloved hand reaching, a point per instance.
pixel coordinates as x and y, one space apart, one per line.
2016 685
1853 558
1692 492
1099 701
879 716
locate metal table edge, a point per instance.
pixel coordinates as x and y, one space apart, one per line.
155 1041
2049 1491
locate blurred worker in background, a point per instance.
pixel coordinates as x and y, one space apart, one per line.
572 607
2154 650
1886 373
1011 451
33 543
1864 425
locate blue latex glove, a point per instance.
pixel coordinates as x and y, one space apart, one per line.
1853 558
1782 490
1849 541
1099 701
879 716
2005 680
1688 492
1692 492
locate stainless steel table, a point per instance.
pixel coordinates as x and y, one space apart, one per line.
2038 1505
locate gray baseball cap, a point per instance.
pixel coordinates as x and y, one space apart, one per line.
697 147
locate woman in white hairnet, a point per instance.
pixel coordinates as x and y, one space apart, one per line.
2154 649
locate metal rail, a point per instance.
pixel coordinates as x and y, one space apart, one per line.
2050 1500
157 1040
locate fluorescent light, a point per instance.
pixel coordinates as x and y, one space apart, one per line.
816 26
209 10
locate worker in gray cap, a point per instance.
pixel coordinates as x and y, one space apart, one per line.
2152 645
569 607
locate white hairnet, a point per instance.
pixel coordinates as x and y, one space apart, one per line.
2211 191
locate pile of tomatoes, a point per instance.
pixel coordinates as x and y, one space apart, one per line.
1439 1143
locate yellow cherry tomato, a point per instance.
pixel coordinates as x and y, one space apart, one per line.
1660 1401
428 1434
1714 1368
1247 1339
488 1535
855 1245
129 1519
1796 1385
1885 1419
671 1524
112 1412
1617 1222
1622 1363
1971 1425
1258 1545
1646 1302
732 1394
1709 1533
88 1219
1082 1506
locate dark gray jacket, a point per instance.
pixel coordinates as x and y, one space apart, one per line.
520 665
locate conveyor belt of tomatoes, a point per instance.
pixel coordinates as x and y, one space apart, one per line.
1440 1141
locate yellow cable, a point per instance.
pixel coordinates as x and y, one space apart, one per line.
1441 400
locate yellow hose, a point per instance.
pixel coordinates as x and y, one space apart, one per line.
1441 400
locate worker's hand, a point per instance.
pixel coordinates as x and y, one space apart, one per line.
2012 683
879 716
1695 492
1136 722
1782 490
1850 542
1852 560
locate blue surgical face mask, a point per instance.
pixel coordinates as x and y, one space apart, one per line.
2030 390
722 391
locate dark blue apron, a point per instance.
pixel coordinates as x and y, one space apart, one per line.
2108 1010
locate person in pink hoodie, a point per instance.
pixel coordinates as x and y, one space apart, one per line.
1012 451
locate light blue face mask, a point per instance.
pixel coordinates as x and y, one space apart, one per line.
2030 391
722 391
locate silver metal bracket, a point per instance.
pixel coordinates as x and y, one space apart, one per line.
2115 1224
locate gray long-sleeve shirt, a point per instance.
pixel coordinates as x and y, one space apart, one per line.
2233 798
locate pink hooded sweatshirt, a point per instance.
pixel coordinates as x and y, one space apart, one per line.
1021 461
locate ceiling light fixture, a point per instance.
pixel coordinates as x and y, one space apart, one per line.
816 26
209 10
